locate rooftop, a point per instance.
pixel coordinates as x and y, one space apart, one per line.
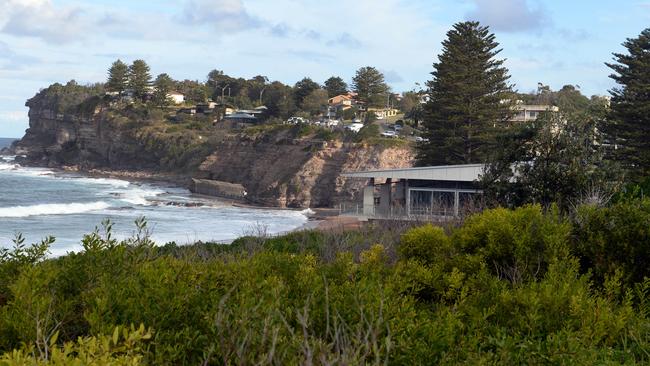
456 173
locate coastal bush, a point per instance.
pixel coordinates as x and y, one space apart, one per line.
505 287
614 239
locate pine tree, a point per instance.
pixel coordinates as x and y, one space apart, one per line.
469 96
118 76
162 87
139 79
629 124
303 88
335 86
370 86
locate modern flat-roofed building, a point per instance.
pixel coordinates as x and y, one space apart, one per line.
438 191
530 112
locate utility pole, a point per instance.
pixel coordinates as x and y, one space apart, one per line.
262 93
223 90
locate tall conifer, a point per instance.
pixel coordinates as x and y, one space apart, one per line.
139 78
628 128
469 98
118 76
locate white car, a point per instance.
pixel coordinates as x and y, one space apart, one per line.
355 127
389 133
296 120
421 139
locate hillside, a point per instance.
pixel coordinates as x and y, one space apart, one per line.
277 165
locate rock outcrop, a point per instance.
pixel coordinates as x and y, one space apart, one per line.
298 174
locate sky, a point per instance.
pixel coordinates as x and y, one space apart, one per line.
555 42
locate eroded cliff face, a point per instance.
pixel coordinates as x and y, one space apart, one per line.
275 170
302 174
86 140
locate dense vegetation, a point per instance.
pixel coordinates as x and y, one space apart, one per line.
505 287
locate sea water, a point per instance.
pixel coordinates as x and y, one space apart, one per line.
39 202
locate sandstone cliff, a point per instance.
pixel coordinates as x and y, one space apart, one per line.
275 168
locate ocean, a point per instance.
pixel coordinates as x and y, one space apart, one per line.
40 202
6 142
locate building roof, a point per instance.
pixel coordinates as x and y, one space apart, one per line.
240 116
455 173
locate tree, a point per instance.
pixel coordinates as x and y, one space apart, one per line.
303 88
335 86
370 86
411 105
556 159
468 98
118 77
315 102
139 79
278 98
162 87
194 91
629 125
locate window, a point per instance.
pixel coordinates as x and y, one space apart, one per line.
532 114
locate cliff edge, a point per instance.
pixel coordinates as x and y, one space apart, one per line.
280 166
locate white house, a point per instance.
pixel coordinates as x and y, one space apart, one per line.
176 97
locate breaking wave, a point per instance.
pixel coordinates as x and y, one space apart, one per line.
52 209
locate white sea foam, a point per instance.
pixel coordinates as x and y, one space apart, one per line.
116 183
52 209
5 166
307 212
139 196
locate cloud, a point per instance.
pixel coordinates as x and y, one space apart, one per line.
281 30
508 15
345 39
10 60
13 116
391 76
41 19
223 15
577 35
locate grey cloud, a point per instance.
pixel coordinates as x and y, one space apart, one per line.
10 60
312 34
43 20
283 30
223 15
508 15
577 35
391 76
345 39
5 51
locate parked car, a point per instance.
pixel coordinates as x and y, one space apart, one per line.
355 127
296 120
389 133
421 139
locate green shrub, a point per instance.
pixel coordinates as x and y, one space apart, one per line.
615 238
515 244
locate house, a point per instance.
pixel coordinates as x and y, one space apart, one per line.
190 111
383 113
530 112
341 101
240 117
433 192
176 97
